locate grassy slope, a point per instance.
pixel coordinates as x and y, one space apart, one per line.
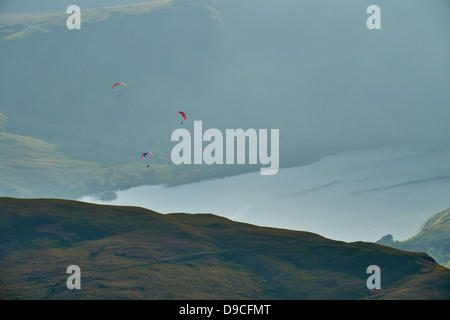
133 253
13 26
434 239
31 167
26 162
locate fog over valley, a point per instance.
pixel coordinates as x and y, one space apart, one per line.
361 115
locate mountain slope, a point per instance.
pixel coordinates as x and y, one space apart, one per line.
134 253
18 25
434 239
31 167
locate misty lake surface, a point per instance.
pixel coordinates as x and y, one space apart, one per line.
358 195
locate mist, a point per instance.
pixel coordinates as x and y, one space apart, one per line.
46 6
311 69
358 195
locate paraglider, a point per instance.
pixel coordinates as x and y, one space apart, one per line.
183 114
119 83
145 154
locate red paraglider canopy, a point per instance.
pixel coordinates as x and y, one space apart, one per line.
183 114
121 83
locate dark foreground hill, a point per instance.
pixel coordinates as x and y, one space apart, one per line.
134 253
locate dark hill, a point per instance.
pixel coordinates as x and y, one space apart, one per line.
134 253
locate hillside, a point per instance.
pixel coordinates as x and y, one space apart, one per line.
16 25
134 253
31 167
434 239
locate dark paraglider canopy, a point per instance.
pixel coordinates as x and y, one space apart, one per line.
145 154
183 115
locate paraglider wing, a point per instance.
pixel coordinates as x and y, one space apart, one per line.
183 114
121 83
146 153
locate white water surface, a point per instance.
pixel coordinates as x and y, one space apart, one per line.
355 195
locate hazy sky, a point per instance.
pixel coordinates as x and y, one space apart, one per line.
309 68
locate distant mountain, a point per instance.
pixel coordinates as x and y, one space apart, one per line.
134 253
31 168
45 6
27 162
434 239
